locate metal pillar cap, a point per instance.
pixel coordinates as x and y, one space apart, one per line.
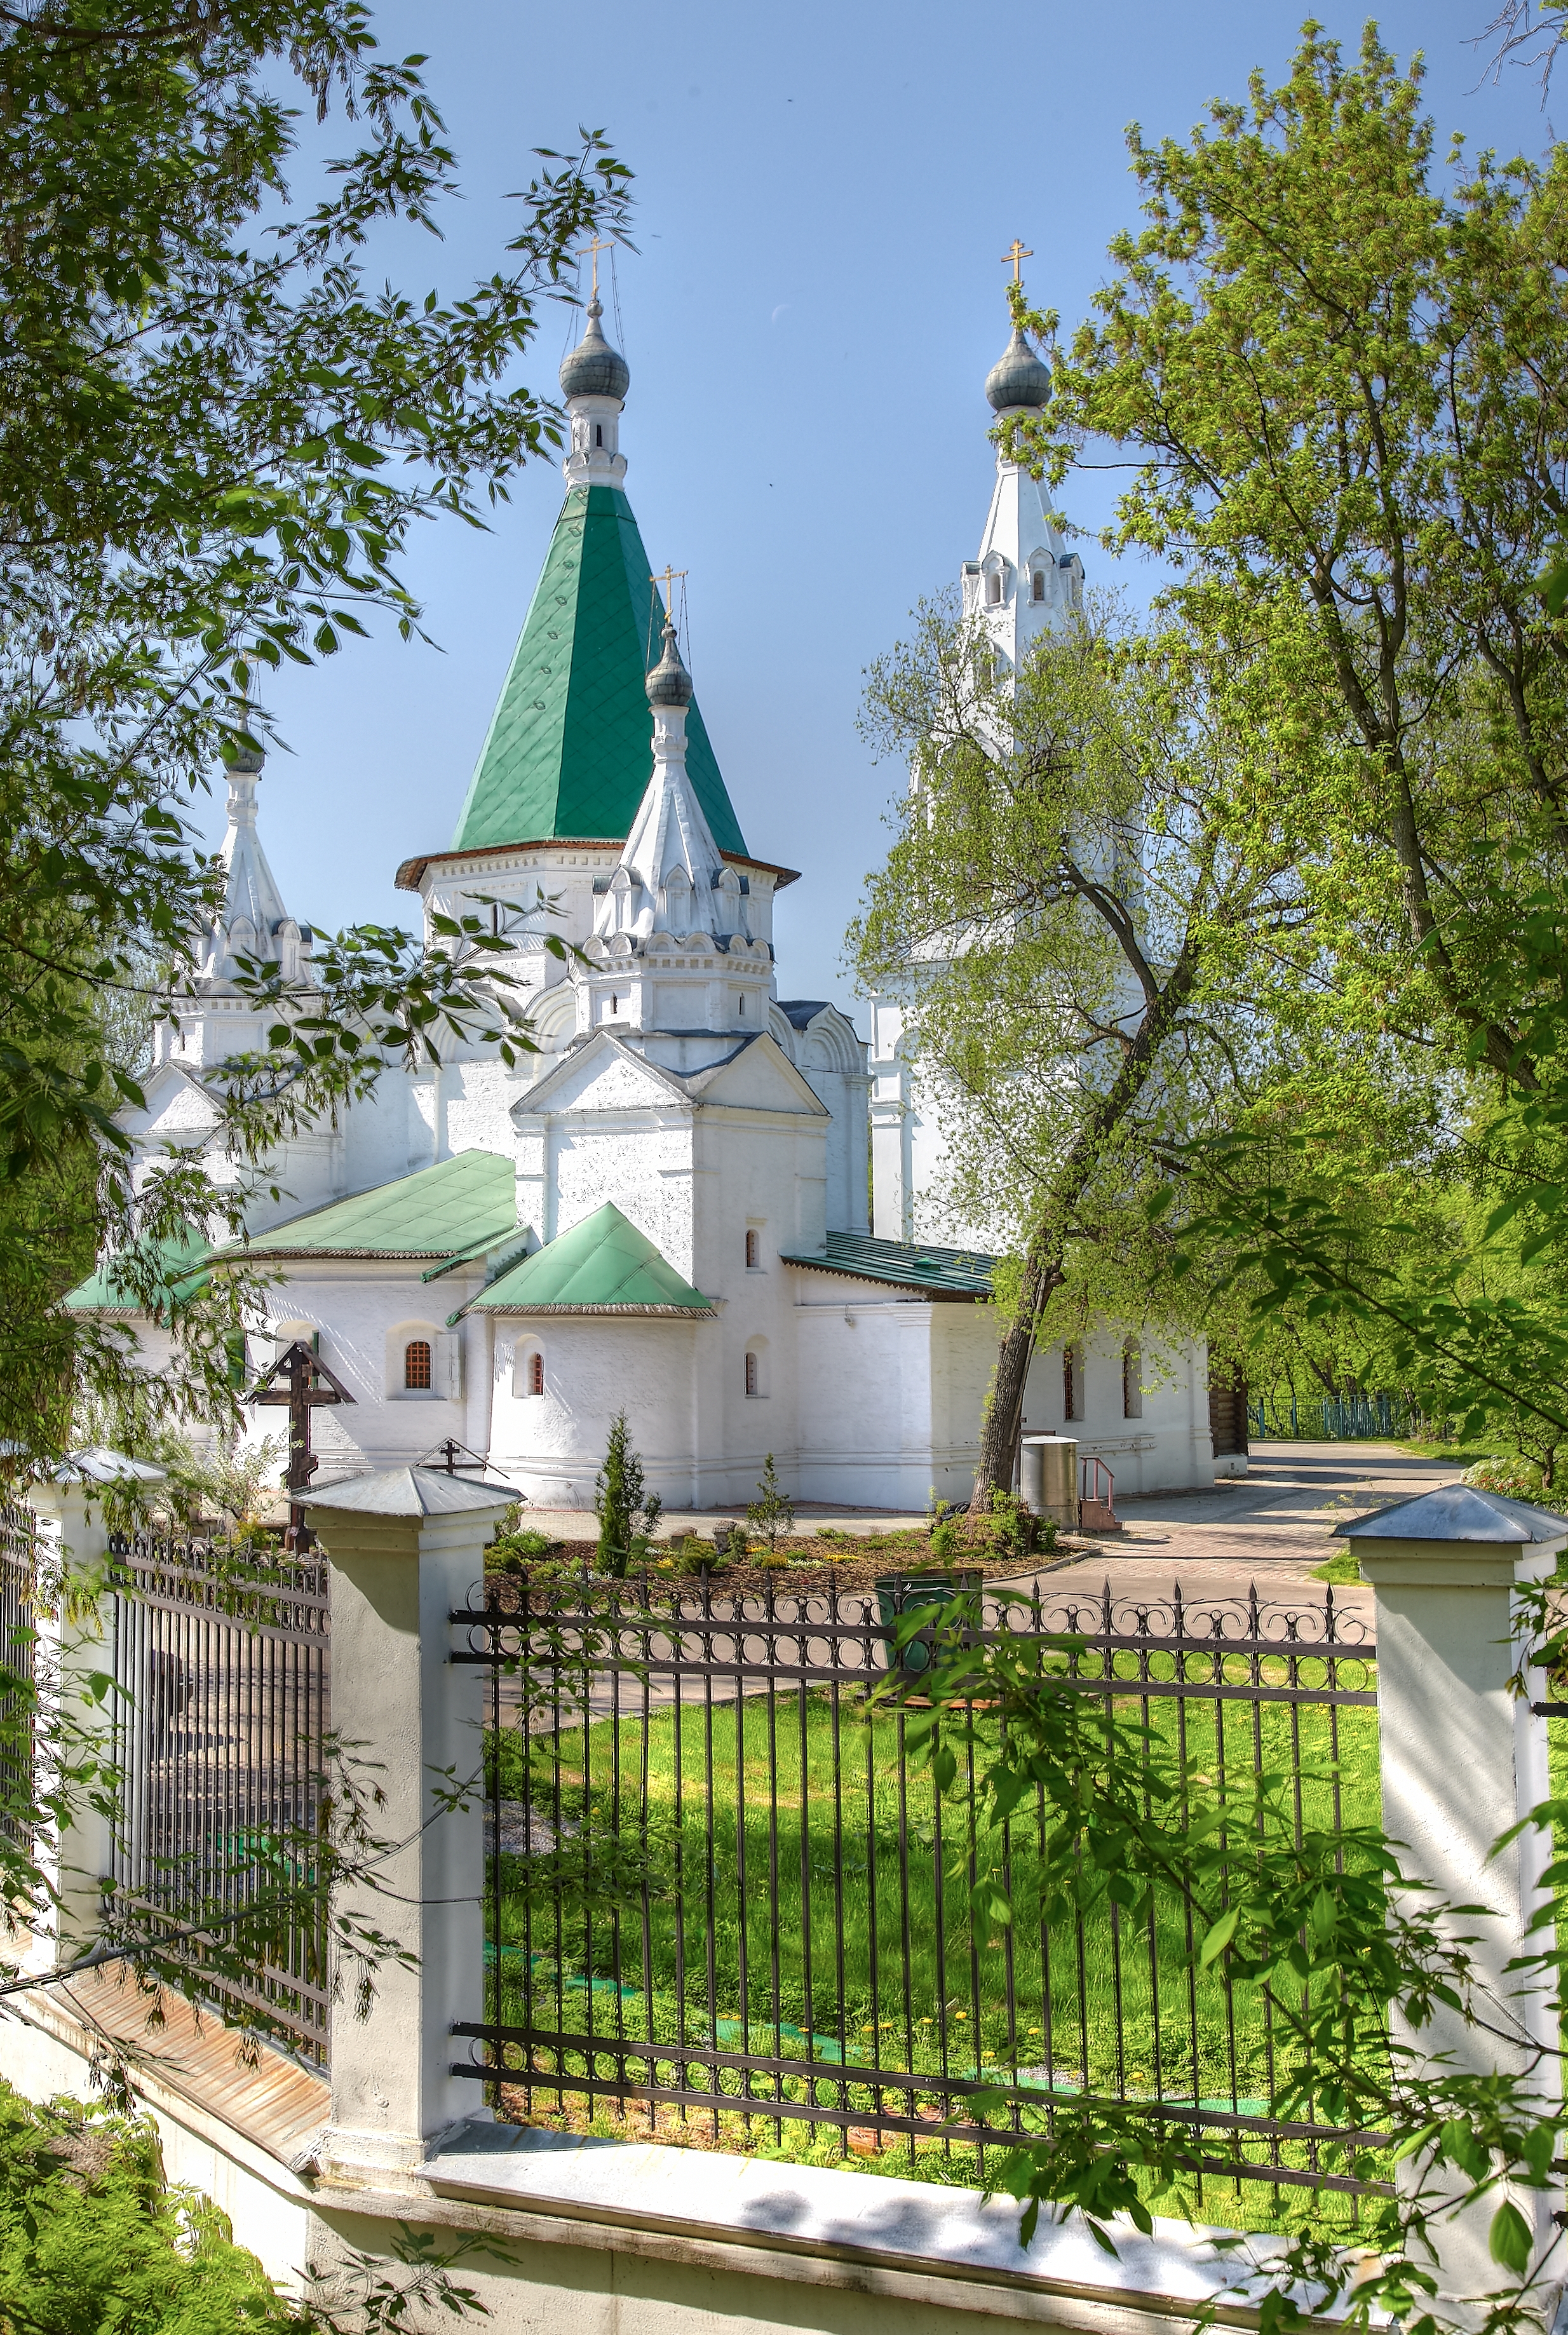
1457 1512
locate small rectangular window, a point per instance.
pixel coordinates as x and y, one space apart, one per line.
753 1251
536 1374
1131 1381
1039 591
751 1387
1072 1382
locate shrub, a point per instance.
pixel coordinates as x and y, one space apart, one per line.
626 1518
772 1512
90 2237
1514 1479
946 1546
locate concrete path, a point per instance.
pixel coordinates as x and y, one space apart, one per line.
1271 1526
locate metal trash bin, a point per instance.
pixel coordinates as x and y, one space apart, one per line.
1048 1478
897 1592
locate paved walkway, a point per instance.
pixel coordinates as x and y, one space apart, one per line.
1271 1527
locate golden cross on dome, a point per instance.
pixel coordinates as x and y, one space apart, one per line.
669 579
595 249
1018 255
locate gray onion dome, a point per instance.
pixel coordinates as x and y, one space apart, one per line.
246 762
669 683
1019 377
595 369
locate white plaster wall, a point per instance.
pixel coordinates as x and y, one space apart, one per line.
552 1445
1166 1449
866 1369
356 1306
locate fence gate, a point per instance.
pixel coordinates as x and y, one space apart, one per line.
223 1718
720 1892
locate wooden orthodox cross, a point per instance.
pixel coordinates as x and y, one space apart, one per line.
301 1372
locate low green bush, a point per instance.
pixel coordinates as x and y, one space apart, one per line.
92 2239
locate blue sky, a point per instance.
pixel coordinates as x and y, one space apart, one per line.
823 193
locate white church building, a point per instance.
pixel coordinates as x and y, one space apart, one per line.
668 1210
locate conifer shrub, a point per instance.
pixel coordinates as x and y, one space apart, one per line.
627 1515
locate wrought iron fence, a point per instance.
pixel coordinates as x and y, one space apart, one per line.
18 1577
718 1889
223 1712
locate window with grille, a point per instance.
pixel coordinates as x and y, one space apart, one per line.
417 1364
536 1374
1072 1382
753 1251
752 1386
1039 591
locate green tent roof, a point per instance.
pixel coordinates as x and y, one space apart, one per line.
603 1265
570 749
104 1292
961 1272
460 1206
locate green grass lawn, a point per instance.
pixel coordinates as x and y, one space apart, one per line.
770 1877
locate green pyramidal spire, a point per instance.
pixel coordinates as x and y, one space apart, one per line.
570 751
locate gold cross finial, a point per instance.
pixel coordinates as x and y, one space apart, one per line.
595 249
669 579
1018 255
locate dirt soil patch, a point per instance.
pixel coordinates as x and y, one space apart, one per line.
809 1562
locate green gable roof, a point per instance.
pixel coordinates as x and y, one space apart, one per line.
458 1205
603 1265
570 749
960 1273
178 1261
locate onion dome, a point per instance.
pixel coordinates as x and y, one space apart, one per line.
1019 377
594 368
670 683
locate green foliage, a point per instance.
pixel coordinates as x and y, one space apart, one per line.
772 1512
1100 861
626 1517
90 2237
220 427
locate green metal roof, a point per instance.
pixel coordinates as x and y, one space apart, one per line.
458 1206
104 1292
570 749
603 1265
910 1265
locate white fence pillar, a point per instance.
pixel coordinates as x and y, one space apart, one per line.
406 1548
73 1643
1462 1761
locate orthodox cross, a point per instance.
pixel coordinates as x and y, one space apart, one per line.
595 249
669 579
1018 255
301 1372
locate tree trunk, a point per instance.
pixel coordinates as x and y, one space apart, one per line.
1042 1263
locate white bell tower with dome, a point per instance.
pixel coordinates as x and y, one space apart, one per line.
1024 582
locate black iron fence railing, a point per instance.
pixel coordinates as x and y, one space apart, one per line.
18 1671
223 1711
720 1892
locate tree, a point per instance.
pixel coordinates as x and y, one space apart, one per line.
1340 384
1095 861
216 437
627 1518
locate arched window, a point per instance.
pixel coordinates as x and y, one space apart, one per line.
598 434
1038 592
753 1375
753 1254
1072 1382
993 587
536 1374
417 1365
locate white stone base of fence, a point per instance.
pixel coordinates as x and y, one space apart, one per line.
608 2237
